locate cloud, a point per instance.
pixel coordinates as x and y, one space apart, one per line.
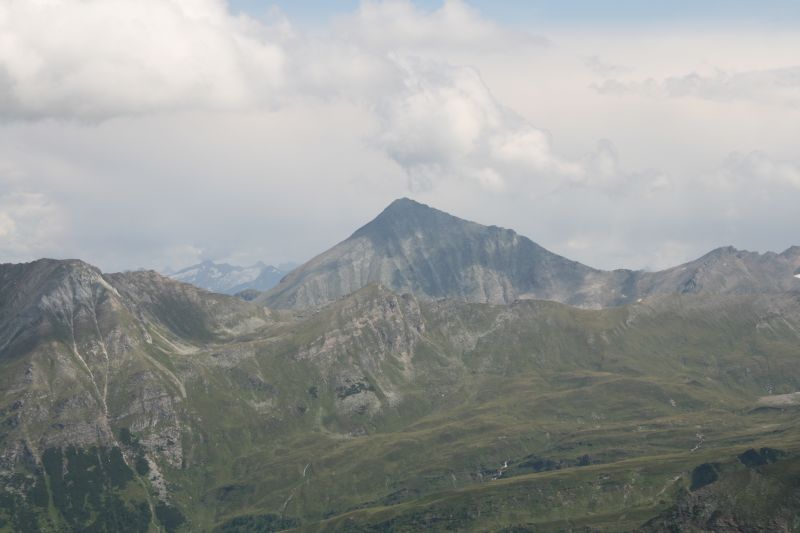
162 132
438 120
660 220
777 86
29 224
7 225
393 25
97 59
100 59
446 125
758 168
602 67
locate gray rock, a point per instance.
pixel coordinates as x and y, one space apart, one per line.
411 247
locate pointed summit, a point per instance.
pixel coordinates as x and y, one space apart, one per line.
411 247
404 216
403 204
404 208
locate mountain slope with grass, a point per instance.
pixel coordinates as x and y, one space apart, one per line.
86 357
134 402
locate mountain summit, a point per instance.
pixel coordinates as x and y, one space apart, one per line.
411 247
405 216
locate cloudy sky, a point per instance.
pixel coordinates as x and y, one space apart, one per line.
157 133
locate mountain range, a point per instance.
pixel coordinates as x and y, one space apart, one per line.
411 247
230 279
426 373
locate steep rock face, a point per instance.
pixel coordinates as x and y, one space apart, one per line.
82 353
50 316
47 298
411 247
366 345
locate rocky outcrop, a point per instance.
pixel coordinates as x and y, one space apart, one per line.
751 496
82 354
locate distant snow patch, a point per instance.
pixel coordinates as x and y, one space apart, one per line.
797 276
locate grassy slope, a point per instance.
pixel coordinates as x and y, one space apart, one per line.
618 406
633 392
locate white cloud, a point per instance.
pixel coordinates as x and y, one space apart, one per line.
218 136
602 67
775 87
447 125
757 168
393 25
7 225
439 121
93 59
30 225
99 59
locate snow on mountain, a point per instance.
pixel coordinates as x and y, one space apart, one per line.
230 279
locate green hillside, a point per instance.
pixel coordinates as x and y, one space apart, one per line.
145 404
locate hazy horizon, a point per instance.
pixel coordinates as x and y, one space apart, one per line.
287 266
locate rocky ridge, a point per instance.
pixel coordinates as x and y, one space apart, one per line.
413 248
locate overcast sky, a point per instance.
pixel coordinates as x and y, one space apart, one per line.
158 133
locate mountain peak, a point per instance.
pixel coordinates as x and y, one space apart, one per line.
55 287
229 279
415 248
405 203
406 208
791 252
53 268
404 216
723 251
